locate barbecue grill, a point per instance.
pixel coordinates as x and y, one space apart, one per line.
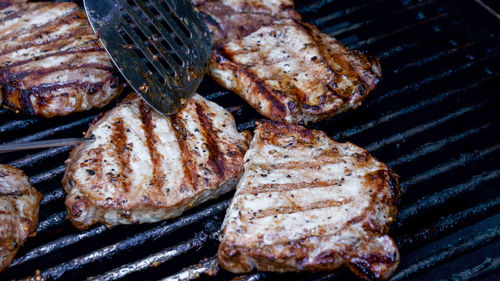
433 118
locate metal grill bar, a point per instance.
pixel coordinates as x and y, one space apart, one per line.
437 145
386 117
489 264
424 127
374 39
442 197
47 133
442 54
345 12
135 241
446 224
51 221
339 29
194 271
35 158
48 175
54 195
17 125
462 160
428 80
198 240
448 253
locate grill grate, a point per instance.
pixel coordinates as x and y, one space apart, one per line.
433 118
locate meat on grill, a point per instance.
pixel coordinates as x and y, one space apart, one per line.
286 69
308 203
144 167
51 62
232 19
19 204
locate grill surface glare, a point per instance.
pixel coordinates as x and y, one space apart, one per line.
433 118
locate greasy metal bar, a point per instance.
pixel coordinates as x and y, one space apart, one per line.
428 80
17 125
49 132
441 197
445 224
338 29
48 175
424 127
442 255
51 221
373 39
489 264
155 259
445 53
462 160
135 241
30 160
386 117
437 145
54 195
344 12
57 244
205 266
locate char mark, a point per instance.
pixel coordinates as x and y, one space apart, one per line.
215 156
151 140
122 152
188 166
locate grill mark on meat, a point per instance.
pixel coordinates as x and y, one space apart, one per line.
146 116
73 50
40 72
31 8
215 156
37 90
122 153
35 31
287 210
188 166
261 87
40 9
275 187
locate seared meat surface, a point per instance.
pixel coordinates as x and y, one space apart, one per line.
19 204
51 62
232 19
308 203
286 69
144 167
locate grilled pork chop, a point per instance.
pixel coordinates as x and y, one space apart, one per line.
291 72
19 203
51 62
286 69
144 167
306 202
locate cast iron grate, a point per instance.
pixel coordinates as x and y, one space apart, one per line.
433 118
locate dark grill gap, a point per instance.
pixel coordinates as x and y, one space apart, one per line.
433 118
